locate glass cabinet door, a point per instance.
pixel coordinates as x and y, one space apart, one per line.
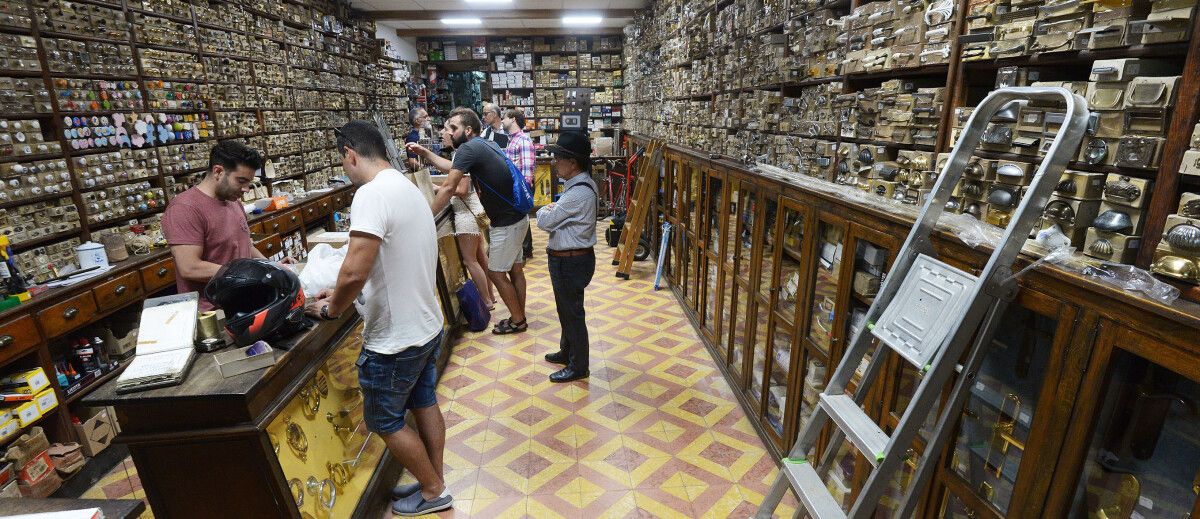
954 507
764 279
729 314
743 247
791 230
873 252
826 267
715 200
743 244
1143 456
999 413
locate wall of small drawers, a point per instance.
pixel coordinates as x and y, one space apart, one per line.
110 107
873 94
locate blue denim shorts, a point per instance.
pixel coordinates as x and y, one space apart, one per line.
393 384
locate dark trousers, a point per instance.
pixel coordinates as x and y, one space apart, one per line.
529 241
569 276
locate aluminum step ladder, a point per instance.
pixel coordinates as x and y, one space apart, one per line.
928 312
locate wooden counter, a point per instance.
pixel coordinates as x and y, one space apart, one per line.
202 448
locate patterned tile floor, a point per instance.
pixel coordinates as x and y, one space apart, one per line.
654 432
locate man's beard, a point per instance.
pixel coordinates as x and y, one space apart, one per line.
457 142
227 193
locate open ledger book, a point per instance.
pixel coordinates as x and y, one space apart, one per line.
164 343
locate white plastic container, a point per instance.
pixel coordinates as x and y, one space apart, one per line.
91 254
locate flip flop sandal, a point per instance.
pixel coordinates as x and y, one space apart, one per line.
507 326
503 322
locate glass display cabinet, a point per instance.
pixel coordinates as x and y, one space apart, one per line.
1001 412
764 280
873 254
729 235
826 266
712 225
1143 454
788 248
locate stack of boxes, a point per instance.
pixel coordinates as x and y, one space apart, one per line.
1073 206
1178 254
1020 28
815 51
891 35
1116 231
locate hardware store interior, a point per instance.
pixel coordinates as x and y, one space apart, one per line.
842 258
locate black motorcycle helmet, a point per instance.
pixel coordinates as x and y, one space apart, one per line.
258 297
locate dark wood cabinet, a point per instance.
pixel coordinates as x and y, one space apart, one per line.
1087 394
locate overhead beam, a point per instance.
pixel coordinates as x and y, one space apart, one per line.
498 14
527 31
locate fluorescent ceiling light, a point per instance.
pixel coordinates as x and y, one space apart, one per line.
582 20
489 1
462 21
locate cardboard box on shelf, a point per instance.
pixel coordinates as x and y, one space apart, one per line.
29 382
96 432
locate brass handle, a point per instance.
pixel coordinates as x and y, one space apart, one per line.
293 218
120 290
6 341
162 272
70 313
275 227
270 246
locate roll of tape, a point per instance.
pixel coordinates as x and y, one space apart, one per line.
210 327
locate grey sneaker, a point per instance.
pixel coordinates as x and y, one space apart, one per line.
417 505
403 491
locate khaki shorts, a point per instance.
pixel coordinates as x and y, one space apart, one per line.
507 246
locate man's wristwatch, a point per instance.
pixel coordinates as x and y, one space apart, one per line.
325 313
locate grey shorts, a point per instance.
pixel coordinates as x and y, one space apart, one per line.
507 246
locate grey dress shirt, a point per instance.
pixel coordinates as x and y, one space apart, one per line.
571 221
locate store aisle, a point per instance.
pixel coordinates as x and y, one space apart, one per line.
654 432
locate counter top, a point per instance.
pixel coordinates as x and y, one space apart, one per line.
207 399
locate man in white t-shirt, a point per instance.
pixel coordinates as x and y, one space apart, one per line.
390 275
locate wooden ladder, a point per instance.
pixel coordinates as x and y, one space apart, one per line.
639 207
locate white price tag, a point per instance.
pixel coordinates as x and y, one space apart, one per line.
1146 503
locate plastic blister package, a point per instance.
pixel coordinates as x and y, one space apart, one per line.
1132 279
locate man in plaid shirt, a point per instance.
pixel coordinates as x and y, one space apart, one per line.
520 152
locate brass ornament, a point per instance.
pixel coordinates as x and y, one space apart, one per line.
1176 267
1122 189
297 441
297 489
1185 237
340 473
1101 247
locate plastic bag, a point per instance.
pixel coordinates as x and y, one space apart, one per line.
1133 279
321 270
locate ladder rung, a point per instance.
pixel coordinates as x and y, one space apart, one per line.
814 496
862 431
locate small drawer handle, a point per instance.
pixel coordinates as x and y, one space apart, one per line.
270 246
120 290
70 313
162 272
6 341
293 218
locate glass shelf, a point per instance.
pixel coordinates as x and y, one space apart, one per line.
1143 458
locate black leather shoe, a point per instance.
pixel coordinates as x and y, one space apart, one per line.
567 375
557 357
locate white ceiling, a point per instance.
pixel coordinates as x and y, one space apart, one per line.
580 6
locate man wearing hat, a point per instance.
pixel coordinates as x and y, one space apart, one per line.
571 222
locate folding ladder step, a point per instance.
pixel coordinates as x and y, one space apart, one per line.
932 298
860 429
811 490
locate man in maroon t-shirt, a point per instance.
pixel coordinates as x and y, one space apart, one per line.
206 225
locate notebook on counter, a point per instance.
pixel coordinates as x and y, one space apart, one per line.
164 350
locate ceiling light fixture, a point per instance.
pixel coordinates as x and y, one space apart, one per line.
489 1
582 20
462 21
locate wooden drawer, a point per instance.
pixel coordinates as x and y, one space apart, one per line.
325 206
311 213
17 337
68 315
119 292
270 245
291 220
257 228
158 276
274 225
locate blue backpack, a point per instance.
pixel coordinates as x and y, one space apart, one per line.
522 197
